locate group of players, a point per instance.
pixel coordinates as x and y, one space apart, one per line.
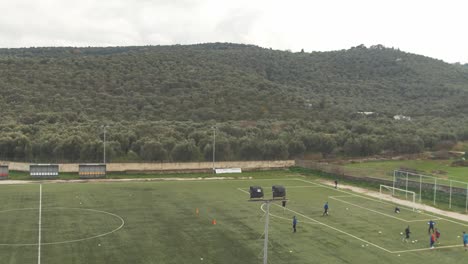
434 233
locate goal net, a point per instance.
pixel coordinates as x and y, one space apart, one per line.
398 196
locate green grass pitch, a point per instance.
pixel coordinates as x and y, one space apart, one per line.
156 222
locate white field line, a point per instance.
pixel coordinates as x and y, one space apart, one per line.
336 229
74 240
346 233
287 219
353 194
424 249
243 190
261 208
377 212
138 180
305 186
342 196
368 198
40 226
377 246
302 186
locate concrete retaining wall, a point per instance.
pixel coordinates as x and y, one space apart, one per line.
166 167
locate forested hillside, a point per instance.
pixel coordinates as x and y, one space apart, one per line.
161 102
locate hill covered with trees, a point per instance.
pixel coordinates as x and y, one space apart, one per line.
161 103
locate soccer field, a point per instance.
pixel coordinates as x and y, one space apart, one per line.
156 222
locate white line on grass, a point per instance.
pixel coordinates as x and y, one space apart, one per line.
368 198
303 186
424 249
243 190
346 233
377 212
40 226
377 246
307 186
68 241
336 229
352 194
284 218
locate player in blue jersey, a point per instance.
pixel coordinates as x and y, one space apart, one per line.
431 226
325 209
294 223
465 240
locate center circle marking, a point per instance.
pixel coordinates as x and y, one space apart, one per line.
67 241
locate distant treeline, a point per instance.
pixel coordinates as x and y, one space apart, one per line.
246 140
161 102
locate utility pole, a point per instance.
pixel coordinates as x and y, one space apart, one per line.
104 142
256 195
214 147
265 241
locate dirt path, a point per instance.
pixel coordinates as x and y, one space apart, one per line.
422 207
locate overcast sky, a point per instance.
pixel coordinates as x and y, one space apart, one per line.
437 29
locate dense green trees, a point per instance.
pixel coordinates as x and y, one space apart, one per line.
162 101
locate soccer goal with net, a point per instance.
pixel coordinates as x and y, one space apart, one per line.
397 196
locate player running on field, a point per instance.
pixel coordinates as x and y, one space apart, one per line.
432 240
431 226
437 235
325 209
465 240
294 223
407 232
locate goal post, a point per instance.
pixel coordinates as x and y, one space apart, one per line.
398 195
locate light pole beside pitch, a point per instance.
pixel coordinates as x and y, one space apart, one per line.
256 195
214 147
104 142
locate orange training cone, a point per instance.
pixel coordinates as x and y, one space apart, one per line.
213 222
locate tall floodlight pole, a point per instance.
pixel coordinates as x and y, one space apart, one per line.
214 147
256 195
265 241
104 142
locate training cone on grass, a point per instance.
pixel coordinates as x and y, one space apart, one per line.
213 222
197 212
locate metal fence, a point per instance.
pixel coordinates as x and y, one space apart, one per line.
441 192
378 174
444 193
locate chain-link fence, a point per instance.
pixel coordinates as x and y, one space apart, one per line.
443 193
438 191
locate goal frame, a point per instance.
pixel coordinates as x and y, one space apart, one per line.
391 194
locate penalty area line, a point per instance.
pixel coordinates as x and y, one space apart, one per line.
348 234
338 230
284 218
